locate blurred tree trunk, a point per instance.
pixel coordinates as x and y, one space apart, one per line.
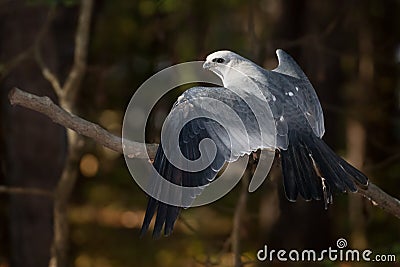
356 136
356 133
297 220
269 210
34 147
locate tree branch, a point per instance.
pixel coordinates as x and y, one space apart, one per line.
75 76
380 198
6 68
45 106
83 127
66 94
25 191
46 72
237 221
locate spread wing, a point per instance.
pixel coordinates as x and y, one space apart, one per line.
301 91
214 113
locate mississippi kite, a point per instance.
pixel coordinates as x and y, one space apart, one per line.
279 103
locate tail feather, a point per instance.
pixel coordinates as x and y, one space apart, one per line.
172 215
160 219
298 172
166 214
289 181
306 159
337 167
150 210
309 174
328 166
301 182
361 179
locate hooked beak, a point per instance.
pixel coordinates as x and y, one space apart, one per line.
207 65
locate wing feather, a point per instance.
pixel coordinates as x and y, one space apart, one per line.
210 122
301 90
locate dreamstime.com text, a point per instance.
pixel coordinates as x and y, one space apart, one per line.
340 253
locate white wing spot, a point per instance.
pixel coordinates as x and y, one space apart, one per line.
297 88
281 118
290 94
273 98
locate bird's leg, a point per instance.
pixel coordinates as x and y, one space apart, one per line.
255 156
325 190
327 197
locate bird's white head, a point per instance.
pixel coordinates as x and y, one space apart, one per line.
227 64
221 62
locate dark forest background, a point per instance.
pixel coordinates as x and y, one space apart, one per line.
350 51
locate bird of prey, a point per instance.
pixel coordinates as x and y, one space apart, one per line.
293 124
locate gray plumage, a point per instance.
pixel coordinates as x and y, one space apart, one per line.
279 109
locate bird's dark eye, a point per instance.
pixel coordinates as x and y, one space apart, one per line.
218 60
